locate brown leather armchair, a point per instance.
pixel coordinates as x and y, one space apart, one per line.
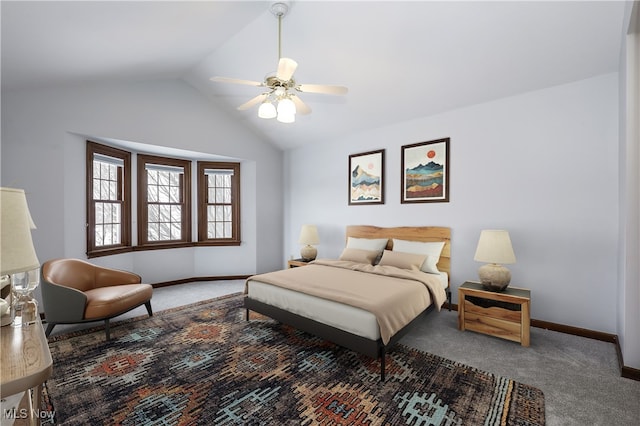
75 291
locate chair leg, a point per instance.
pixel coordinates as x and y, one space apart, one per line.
49 328
106 329
148 306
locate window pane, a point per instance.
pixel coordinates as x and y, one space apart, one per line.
176 232
219 195
163 178
174 194
113 191
117 213
104 190
227 213
211 213
174 178
227 196
152 177
176 213
98 212
211 197
96 189
164 213
116 234
98 236
163 194
227 229
165 231
153 213
211 230
104 171
107 235
152 232
219 213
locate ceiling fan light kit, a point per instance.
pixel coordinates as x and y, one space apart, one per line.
281 87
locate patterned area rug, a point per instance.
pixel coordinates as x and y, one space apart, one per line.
205 365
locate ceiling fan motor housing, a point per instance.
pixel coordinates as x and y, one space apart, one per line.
279 8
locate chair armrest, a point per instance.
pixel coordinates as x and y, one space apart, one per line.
62 304
106 277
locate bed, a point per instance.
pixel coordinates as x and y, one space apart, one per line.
357 302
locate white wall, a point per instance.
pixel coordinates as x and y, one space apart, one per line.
543 165
43 151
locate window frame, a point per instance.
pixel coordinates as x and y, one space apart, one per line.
124 185
142 203
203 203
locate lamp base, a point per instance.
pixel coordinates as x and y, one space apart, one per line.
308 252
494 277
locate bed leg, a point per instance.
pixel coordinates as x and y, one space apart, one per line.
247 315
383 357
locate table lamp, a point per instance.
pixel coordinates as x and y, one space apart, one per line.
494 247
18 260
308 236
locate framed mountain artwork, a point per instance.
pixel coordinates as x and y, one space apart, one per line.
366 178
425 172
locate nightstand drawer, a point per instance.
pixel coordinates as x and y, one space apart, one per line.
493 311
493 326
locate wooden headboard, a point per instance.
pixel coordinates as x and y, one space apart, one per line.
409 233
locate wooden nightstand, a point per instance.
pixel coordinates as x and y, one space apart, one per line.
504 314
294 263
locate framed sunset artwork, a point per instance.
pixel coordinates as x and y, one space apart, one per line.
425 172
366 178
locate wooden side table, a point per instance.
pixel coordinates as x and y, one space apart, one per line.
504 314
294 263
26 364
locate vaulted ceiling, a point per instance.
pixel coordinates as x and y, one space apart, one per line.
400 60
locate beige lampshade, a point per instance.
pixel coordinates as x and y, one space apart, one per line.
309 235
494 246
17 252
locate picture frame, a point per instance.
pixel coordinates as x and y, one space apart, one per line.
425 172
366 178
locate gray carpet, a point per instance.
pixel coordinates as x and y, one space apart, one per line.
579 377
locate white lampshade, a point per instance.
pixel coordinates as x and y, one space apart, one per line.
494 246
286 107
17 253
286 118
309 235
267 110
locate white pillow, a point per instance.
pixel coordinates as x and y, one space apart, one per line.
431 249
377 244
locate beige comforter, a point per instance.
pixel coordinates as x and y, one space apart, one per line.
395 296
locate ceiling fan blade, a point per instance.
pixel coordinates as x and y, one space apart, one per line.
321 88
236 81
252 102
301 107
286 68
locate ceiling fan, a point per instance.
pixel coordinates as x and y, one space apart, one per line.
280 100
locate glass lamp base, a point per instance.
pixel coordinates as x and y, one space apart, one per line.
25 311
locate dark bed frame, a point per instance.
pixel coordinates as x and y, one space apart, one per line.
372 348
